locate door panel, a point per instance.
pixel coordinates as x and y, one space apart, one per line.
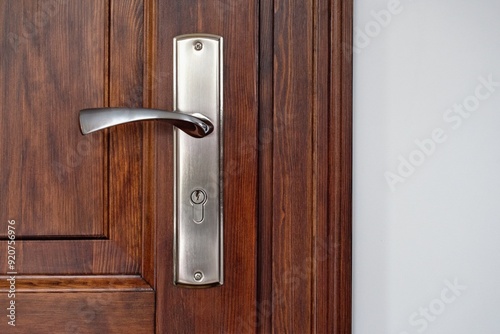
52 65
94 213
77 196
77 201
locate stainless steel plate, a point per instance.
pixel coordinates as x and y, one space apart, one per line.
198 163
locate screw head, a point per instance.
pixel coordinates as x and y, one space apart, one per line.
198 196
198 276
198 46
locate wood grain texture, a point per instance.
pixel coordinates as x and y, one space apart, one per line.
287 86
149 256
73 257
293 222
305 224
264 307
83 312
52 65
94 283
323 245
223 309
126 54
340 162
80 54
116 69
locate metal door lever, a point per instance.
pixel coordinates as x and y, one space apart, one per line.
198 200
94 119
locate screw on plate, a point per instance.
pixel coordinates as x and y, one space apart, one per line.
198 45
198 276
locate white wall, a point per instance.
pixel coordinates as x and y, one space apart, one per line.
438 225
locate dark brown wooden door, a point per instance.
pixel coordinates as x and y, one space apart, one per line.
92 215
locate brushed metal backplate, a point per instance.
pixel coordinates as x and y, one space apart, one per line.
198 240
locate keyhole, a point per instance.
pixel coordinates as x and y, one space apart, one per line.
197 197
198 200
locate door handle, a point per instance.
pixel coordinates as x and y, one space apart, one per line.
197 120
94 119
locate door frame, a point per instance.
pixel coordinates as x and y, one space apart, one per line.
340 156
326 204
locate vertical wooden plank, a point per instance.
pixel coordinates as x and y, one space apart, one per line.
223 309
265 304
126 57
293 226
340 180
149 174
323 247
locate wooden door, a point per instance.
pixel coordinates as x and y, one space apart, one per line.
92 215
